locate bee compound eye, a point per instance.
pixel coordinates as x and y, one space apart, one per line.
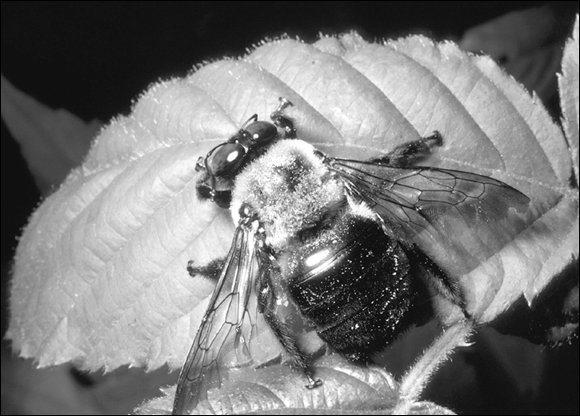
226 159
261 131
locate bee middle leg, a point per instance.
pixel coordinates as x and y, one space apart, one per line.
211 270
407 154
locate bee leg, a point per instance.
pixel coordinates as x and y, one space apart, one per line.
282 121
203 191
282 331
438 279
200 164
212 270
409 153
312 384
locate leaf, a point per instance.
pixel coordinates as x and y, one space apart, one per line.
100 272
52 141
513 34
28 391
346 387
568 83
57 390
278 387
527 43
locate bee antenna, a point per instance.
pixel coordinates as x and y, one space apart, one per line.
284 102
248 121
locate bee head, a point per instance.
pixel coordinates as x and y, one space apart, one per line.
225 161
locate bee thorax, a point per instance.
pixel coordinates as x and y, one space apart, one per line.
289 188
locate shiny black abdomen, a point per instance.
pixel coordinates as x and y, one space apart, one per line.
353 284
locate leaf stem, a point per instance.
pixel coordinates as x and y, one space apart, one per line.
418 376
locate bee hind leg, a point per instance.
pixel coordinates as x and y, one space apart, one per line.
407 154
438 279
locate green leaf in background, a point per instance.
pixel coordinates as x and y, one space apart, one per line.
526 43
52 141
568 83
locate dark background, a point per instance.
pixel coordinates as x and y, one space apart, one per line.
94 58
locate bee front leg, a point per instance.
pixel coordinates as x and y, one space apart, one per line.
283 121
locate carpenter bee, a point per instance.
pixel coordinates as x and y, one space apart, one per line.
355 245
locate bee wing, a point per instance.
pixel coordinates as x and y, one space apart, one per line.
459 218
223 339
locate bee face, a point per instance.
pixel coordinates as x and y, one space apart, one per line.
225 159
347 241
223 163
